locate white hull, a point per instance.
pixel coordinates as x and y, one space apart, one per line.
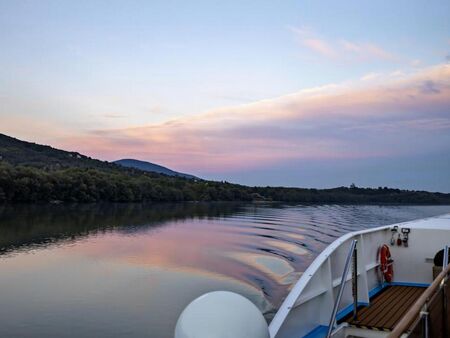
308 307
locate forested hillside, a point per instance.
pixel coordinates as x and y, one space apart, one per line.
35 173
19 152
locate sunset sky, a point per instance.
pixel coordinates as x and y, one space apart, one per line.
294 93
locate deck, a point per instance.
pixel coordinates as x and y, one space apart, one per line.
386 308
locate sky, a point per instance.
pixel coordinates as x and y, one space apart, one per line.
292 93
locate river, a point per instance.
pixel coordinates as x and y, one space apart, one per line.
128 270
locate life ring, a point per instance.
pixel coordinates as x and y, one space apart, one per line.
386 263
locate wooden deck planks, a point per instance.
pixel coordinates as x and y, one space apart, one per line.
396 308
377 307
393 296
401 311
387 308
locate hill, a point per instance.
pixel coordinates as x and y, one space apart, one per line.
31 172
17 152
151 167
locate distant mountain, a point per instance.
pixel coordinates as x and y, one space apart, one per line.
151 167
18 152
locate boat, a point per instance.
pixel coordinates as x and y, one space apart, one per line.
389 281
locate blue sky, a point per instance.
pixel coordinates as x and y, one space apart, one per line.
155 79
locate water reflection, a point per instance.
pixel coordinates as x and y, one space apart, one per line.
129 269
24 226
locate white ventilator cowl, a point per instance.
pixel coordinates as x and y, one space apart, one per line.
221 314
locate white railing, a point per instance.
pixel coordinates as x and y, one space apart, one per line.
309 305
329 265
351 254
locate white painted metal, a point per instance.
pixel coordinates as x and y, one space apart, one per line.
445 258
356 332
310 302
350 254
221 314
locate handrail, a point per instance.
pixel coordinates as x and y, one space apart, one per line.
341 288
409 317
299 287
444 292
355 283
445 259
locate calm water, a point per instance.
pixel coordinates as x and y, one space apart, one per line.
130 269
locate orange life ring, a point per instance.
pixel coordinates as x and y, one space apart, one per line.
386 263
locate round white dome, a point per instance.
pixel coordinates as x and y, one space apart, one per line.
221 314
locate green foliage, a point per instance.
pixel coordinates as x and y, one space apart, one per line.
31 184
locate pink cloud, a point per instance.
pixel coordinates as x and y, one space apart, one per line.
343 49
320 46
310 124
366 50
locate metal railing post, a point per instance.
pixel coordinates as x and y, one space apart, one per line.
341 288
425 317
444 293
445 258
355 283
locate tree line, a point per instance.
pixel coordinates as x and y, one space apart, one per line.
20 183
